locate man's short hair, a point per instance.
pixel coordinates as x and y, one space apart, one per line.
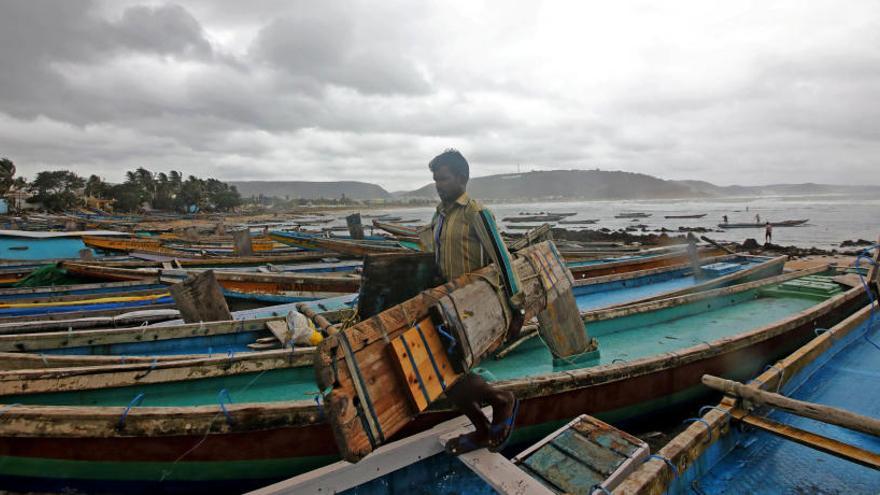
454 161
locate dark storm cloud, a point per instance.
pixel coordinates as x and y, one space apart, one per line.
362 90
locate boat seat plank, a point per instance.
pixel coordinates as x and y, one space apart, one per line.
583 454
422 363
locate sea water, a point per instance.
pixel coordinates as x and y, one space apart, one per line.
833 218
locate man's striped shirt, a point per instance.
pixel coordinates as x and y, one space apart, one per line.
464 238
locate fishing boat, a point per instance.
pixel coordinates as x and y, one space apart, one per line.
534 218
561 214
147 344
784 223
701 215
267 287
342 246
659 283
591 295
637 214
233 423
190 261
782 448
82 306
644 260
588 221
521 227
177 248
395 229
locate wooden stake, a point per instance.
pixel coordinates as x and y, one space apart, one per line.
819 412
719 246
200 298
243 245
355 229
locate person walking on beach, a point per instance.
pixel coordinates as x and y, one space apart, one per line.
768 233
464 239
725 218
757 218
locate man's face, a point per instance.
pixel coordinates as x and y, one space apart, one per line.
449 186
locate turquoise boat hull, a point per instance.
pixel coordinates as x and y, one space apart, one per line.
650 366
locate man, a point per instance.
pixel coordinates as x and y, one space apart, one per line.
768 233
464 238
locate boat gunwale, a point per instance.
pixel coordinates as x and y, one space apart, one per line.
135 334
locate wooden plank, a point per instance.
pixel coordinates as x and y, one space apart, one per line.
367 401
501 474
342 475
242 243
563 471
355 229
200 298
559 324
819 412
281 332
812 440
423 363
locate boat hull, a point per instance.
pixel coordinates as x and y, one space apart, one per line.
242 454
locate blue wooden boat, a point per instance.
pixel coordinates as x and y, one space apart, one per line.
592 295
339 245
184 434
774 451
657 283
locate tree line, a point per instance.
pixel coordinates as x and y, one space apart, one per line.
59 190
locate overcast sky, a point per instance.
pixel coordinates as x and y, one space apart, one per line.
730 92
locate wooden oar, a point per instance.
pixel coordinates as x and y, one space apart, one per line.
819 412
719 246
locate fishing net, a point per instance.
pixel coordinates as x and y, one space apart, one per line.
47 275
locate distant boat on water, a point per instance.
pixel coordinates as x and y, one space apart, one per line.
784 223
701 215
534 218
633 215
579 222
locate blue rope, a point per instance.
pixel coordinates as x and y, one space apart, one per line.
725 411
864 254
6 408
220 395
701 420
145 373
320 406
598 486
817 331
667 461
138 399
452 342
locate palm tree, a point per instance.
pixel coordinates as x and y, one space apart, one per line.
7 174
